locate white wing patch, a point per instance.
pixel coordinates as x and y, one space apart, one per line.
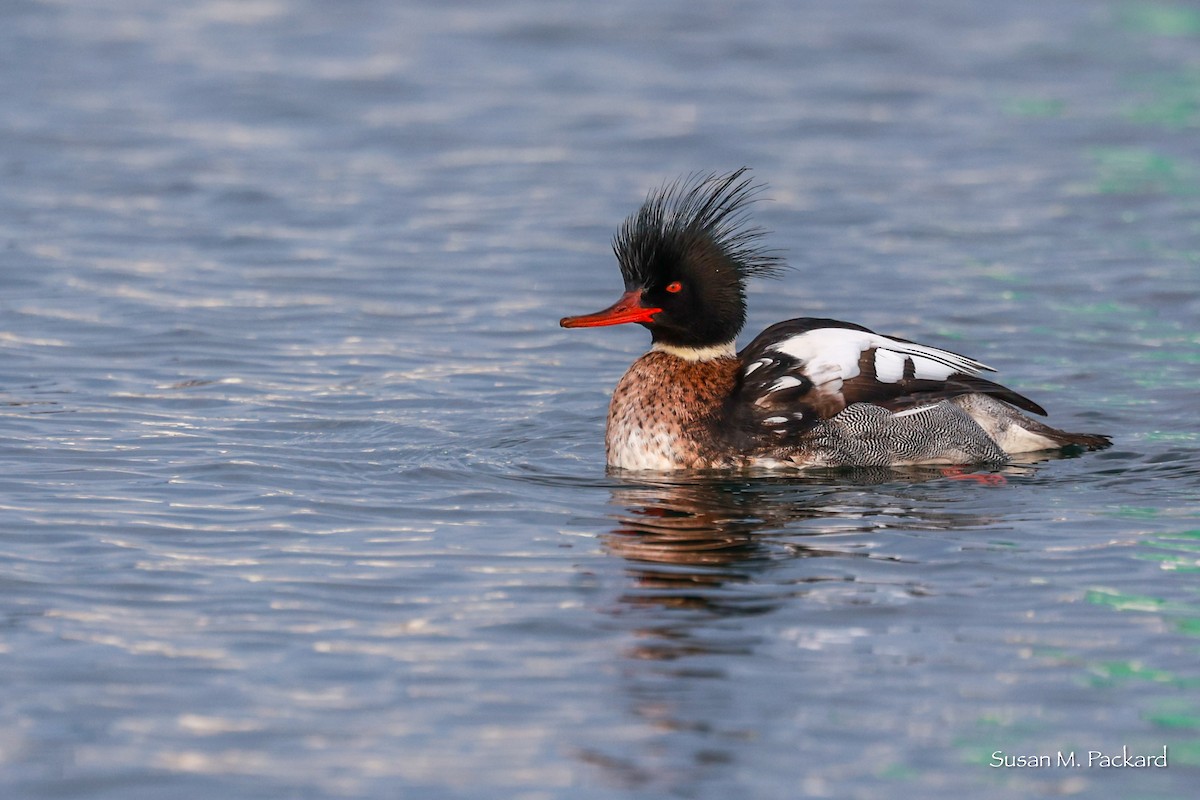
829 356
827 350
786 382
889 365
827 376
762 362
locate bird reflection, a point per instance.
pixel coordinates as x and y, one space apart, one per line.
701 549
708 531
703 525
704 555
685 542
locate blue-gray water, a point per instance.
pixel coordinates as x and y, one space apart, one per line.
301 486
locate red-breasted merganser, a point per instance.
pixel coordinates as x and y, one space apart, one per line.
806 392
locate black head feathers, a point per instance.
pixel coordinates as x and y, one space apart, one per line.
701 220
687 253
685 256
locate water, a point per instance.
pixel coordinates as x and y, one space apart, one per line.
302 489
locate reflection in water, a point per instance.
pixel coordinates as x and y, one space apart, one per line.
699 555
696 533
685 542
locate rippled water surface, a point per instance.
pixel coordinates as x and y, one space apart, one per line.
302 490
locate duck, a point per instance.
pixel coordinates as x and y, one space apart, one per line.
805 393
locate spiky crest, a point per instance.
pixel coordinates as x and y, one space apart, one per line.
702 217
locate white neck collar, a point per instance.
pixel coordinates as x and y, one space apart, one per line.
725 350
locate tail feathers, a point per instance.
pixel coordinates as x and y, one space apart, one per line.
1087 441
1017 433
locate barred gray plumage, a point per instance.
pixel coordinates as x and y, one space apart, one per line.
870 436
969 429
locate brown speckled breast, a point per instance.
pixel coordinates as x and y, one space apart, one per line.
665 410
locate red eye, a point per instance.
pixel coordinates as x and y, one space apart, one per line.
674 286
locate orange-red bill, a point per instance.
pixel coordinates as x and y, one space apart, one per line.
628 309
